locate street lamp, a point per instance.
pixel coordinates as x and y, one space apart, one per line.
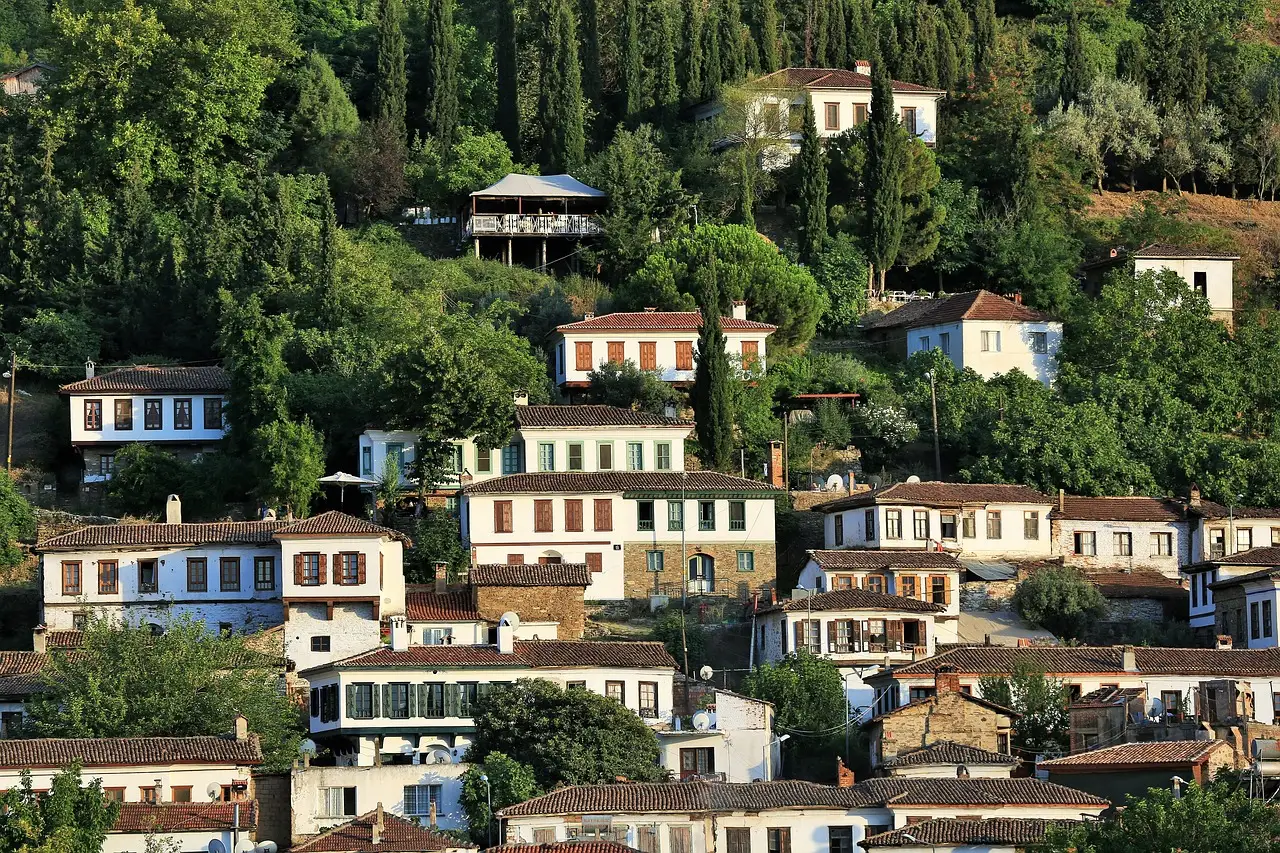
933 397
488 799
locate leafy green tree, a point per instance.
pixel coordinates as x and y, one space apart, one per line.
506 53
290 459
441 63
1041 702
812 164
492 785
1060 600
129 682
376 181
560 104
58 337
886 162
629 387
253 345
841 271
391 83
448 179
1111 122
1075 73
809 696
144 477
17 523
678 632
323 118
437 538
72 816
712 378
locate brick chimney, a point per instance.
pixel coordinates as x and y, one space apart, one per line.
946 680
1017 297
441 576
862 66
844 776
242 727
1129 660
377 824
1195 496
775 464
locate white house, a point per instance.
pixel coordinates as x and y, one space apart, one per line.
324 797
801 817
185 825
931 576
1124 533
978 330
718 734
641 532
1244 607
1209 274
664 341
179 408
971 519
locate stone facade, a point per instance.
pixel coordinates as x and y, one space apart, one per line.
275 815
948 715
639 581
1134 610
563 604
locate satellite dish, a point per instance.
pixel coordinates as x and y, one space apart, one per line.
308 747
246 845
705 673
702 721
267 847
913 479
835 483
216 846
214 792
441 756
406 749
1157 709
510 618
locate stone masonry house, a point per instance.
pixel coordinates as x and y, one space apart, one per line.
1213 578
1102 716
1126 533
947 759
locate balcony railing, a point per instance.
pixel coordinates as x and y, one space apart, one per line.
534 224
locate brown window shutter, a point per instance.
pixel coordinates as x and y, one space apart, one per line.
595 561
648 355
337 569
297 569
604 513
684 355
499 525
323 569
831 636
799 628
515 559
360 568
946 585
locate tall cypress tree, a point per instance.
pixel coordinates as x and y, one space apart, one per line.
960 28
391 86
1075 76
733 58
886 163
947 62
633 89
1196 61
926 46
820 21
442 58
508 81
560 103
711 403
1131 62
589 20
1168 73
770 55
666 86
860 43
813 187
984 36
711 69
837 35
689 59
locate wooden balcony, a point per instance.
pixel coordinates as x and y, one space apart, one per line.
533 225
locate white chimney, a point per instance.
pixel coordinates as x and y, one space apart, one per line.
739 309
521 398
242 727
88 369
506 639
399 634
173 510
40 639
590 315
1129 660
862 66
377 825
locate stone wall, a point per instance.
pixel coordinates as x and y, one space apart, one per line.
1134 609
638 581
275 818
986 595
563 604
948 717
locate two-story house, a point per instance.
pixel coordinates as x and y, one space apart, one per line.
972 519
1208 274
641 532
1126 533
1222 531
662 341
1244 606
932 576
977 330
179 408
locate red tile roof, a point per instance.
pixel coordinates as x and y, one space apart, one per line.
128 751
1265 556
661 321
142 379
64 639
950 752
1105 697
932 493
145 818
934 700
213 533
830 78
857 560
973 305
1120 509
1209 509
553 417
334 523
1128 756
20 673
526 653
1058 660
583 846
949 831
1160 251
1262 575
1137 584
531 574
428 606
618 481
854 599
398 835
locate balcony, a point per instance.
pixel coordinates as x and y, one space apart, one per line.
533 225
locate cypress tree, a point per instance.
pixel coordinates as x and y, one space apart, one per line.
1196 62
560 101
733 58
689 59
861 40
1131 62
926 30
391 86
711 403
821 23
960 29
947 61
1075 76
886 163
508 82
589 19
632 73
745 204
984 36
770 56
442 59
711 68
907 45
666 86
813 188
1168 74
837 35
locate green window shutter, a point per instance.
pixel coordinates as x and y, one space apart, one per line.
451 700
413 700
375 699
351 700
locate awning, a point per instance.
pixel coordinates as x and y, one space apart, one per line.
989 570
552 186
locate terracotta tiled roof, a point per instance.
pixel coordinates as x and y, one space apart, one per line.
1265 556
184 817
1137 584
1105 697
1167 251
1209 509
398 836
141 379
1119 509
907 791
526 653
531 574
857 560
950 752
125 751
584 846
20 673
334 523
617 481
948 831
64 639
1261 575
134 535
829 78
855 599
973 305
661 321
988 660
934 493
1130 755
537 417
428 606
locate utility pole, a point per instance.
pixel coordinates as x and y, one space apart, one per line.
13 379
937 447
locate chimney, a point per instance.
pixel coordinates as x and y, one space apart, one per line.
88 369
431 815
506 639
862 66
377 824
1017 297
669 411
946 680
173 510
649 309
1115 253
962 772
1062 500
441 576
242 727
1129 659
159 786
40 639
590 315
1024 643
1195 496
399 634
1224 642
844 776
521 397
775 464
739 309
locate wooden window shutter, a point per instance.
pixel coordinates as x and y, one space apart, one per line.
323 560
297 569
893 631
946 586
337 569
831 636
799 628
351 700
360 568
595 561
582 353
617 352
684 355
648 355
604 513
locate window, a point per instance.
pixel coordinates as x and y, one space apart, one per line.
994 530
837 524
1255 622
944 343
124 414
969 524
915 694
1031 525
418 799
738 515
511 459
750 354
893 524
1161 544
1244 538
737 839
635 456
604 514
948 525
395 451
213 413
697 761
502 516
438 636
348 568
582 355
1195 592
264 573
366 461
320 644
395 701
840 635
468 692
1122 544
831 113
79 621
106 464
1275 536
310 570
93 415
197 574
455 458
779 839
108 577
605 452
907 587
1039 342
746 561
809 635
1002 743
1086 543
1171 700
869 524
112 795
684 355
338 802
706 515
229 573
148 576
675 515
575 456
560 358
991 342
840 839
546 456
544 835
875 583
573 515
925 343
1266 617
1217 543
182 414
595 561
647 838
617 691
859 113
542 520
617 352
938 590
152 414
649 699
147 794
920 523
484 459
771 115
644 515
71 584
909 120
648 355
1200 283
431 700
653 560
663 455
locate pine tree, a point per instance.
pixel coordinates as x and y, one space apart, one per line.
442 59
666 86
508 81
632 72
589 19
984 37
733 59
560 101
689 58
390 87
711 69
1075 76
886 163
711 401
770 56
813 188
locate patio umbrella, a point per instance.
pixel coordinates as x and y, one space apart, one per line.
342 480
